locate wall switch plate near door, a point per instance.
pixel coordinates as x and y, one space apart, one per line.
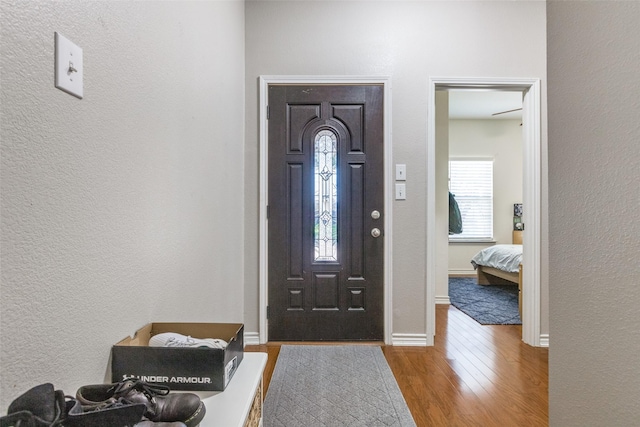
68 67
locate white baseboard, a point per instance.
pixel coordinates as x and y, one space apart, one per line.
544 340
409 340
443 299
251 338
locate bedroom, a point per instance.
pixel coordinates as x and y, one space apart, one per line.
475 134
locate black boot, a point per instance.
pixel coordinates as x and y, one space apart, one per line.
42 406
161 405
18 419
46 407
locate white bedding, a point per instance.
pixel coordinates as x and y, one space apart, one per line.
502 257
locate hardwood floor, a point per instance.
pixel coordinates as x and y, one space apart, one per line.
474 375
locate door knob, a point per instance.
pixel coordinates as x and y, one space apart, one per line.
375 232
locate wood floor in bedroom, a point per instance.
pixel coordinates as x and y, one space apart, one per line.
473 376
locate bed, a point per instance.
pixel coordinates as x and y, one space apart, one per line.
499 263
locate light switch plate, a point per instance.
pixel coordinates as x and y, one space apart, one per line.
401 191
401 172
68 66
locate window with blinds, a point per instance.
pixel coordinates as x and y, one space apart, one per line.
471 183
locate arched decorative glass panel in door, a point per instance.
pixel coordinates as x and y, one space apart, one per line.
326 196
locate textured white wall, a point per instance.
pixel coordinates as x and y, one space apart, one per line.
502 141
594 213
408 41
125 207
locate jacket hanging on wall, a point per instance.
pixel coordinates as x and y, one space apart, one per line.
455 219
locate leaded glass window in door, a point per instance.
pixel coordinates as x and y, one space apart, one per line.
326 196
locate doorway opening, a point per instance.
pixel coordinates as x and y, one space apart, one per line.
482 186
531 196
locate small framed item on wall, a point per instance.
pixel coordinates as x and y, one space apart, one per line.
517 217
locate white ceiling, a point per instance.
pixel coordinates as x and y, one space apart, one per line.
481 104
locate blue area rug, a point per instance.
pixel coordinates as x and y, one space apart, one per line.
486 304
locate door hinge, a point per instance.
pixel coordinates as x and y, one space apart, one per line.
268 212
268 112
267 312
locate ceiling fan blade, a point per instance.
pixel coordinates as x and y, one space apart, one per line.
508 111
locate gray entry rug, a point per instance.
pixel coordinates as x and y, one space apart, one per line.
486 304
334 385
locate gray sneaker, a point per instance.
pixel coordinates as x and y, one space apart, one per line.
172 339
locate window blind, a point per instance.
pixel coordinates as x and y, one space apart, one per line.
471 183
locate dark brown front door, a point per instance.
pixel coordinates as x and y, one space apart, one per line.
325 223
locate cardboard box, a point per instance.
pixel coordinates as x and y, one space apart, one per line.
179 368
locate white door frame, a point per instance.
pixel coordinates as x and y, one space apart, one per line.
265 81
532 182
